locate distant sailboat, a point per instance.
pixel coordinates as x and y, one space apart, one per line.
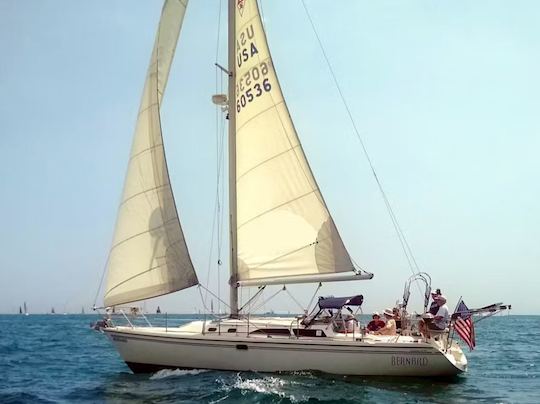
281 232
82 310
25 309
158 311
52 310
20 310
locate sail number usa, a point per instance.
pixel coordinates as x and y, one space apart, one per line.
252 85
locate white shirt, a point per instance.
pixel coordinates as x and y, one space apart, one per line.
442 312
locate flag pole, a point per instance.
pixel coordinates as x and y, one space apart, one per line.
452 330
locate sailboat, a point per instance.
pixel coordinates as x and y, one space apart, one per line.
281 233
52 310
25 309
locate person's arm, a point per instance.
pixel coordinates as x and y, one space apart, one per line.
441 314
383 329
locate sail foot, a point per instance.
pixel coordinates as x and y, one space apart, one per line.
283 280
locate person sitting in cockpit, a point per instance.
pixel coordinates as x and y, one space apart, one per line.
434 307
390 327
376 323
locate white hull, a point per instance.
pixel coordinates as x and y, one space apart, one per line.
148 349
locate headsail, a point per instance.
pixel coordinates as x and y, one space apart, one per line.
284 230
149 256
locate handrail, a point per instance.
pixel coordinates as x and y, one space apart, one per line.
126 317
147 321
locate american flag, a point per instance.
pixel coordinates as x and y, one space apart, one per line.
464 325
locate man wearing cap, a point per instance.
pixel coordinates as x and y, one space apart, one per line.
440 321
376 323
390 327
434 308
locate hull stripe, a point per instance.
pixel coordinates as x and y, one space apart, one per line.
281 346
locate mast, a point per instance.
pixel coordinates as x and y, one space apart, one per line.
232 161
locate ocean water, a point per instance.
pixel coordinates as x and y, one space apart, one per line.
58 358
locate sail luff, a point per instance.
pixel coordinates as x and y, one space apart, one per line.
149 255
233 262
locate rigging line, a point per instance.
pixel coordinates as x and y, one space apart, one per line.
219 200
267 300
221 183
211 247
217 123
296 301
213 294
217 224
216 214
253 299
398 229
219 167
313 297
203 301
218 75
217 207
102 277
220 160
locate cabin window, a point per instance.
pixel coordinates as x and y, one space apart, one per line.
308 333
231 330
212 329
272 331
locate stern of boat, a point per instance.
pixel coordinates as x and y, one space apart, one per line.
455 355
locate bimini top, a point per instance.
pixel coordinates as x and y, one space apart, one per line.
339 302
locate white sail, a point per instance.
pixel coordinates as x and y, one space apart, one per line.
149 256
284 229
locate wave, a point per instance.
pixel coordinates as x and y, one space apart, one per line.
22 397
176 372
269 386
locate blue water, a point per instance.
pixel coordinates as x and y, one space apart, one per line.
57 358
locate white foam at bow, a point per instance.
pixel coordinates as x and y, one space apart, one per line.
176 372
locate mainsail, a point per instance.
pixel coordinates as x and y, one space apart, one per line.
284 229
149 256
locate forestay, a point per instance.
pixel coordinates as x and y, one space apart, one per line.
149 256
284 229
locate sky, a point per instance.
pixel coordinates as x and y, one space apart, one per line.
445 94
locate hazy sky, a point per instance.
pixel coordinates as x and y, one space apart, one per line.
446 95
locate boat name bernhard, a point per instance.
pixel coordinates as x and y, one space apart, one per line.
409 361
